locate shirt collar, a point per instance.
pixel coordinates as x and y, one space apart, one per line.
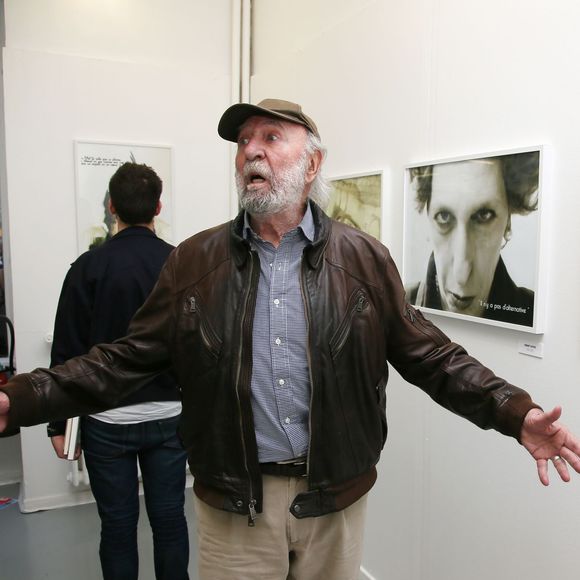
134 231
306 225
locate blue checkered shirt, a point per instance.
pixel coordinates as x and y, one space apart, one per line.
280 376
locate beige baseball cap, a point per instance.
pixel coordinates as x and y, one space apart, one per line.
235 116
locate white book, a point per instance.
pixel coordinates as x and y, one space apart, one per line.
67 433
71 437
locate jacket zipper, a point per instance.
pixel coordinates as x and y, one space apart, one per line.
417 322
306 301
252 515
357 305
207 335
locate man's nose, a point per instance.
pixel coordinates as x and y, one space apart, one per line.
462 256
253 149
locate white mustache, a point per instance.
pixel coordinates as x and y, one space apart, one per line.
257 167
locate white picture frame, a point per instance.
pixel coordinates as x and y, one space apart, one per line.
357 200
95 163
429 228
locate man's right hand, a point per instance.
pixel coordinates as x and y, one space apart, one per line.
4 408
58 444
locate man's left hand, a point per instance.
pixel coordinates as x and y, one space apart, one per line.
548 440
4 408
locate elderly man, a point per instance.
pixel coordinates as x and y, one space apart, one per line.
279 326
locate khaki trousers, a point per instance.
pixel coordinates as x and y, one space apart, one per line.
279 546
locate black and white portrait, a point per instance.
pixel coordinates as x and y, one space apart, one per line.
471 237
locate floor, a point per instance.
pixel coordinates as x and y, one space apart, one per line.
63 543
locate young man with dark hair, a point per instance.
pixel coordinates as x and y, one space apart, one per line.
134 192
102 290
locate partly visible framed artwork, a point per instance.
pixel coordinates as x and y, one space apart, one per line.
356 200
472 245
95 163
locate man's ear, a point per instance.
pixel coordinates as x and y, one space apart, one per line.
314 164
158 208
112 208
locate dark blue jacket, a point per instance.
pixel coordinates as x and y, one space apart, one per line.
102 291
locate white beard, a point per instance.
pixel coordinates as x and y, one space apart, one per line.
286 189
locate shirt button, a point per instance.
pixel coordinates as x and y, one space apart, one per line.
278 341
276 301
281 382
287 420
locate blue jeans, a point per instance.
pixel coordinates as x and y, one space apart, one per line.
111 452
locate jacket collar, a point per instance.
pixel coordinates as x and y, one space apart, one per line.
306 226
134 231
313 252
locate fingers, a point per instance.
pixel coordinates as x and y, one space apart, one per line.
553 415
58 444
571 441
545 419
542 465
559 464
538 420
561 467
571 458
4 404
4 408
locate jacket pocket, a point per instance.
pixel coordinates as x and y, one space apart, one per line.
195 317
424 326
357 304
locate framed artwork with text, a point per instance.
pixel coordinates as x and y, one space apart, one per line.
473 245
95 163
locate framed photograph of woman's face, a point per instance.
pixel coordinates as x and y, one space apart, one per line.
95 164
356 201
472 239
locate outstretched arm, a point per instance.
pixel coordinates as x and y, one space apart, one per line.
548 440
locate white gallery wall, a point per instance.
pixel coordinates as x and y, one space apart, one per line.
389 83
131 71
393 82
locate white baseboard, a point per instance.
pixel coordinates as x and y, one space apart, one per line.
80 496
54 501
365 574
10 477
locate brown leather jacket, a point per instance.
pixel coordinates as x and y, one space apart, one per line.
198 322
